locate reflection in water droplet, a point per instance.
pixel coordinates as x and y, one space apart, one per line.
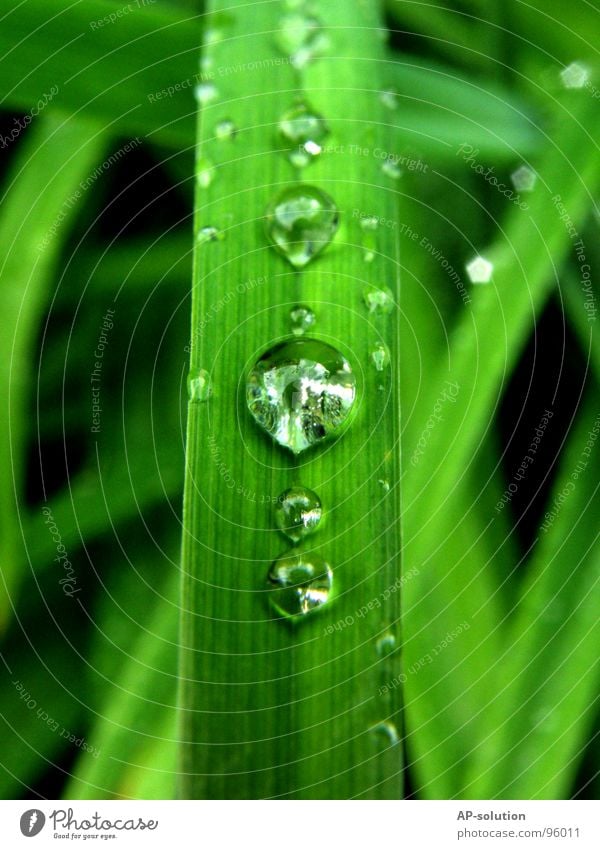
199 385
479 270
384 484
210 234
205 172
298 512
301 38
385 645
391 169
300 392
225 129
524 179
575 75
299 584
378 300
301 320
380 356
385 734
300 222
390 98
305 130
369 226
205 93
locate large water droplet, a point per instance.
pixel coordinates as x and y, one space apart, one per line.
205 172
205 93
300 584
380 356
300 222
298 512
225 130
300 392
379 300
210 234
199 385
301 38
301 320
305 130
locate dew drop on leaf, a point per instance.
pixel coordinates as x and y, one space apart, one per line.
210 234
199 385
205 172
298 512
300 392
380 356
391 169
299 584
389 97
301 320
205 93
225 130
385 734
305 131
385 645
300 222
378 300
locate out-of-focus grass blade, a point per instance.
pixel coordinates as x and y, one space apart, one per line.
546 694
133 68
41 196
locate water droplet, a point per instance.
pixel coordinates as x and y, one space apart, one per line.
298 512
575 75
385 645
391 169
205 172
305 130
385 734
369 225
199 385
524 179
205 93
225 129
390 97
384 484
301 319
379 300
300 392
300 222
300 584
206 62
210 234
380 356
217 27
479 270
301 38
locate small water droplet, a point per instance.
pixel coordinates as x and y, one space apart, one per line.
300 392
380 356
298 512
300 222
299 584
210 234
385 734
369 226
205 93
390 97
301 38
575 75
225 129
524 179
379 300
206 62
391 169
301 320
384 484
217 27
479 270
205 172
305 130
199 385
385 645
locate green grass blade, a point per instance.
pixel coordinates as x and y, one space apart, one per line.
270 709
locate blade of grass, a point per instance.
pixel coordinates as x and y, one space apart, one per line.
270 709
39 200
